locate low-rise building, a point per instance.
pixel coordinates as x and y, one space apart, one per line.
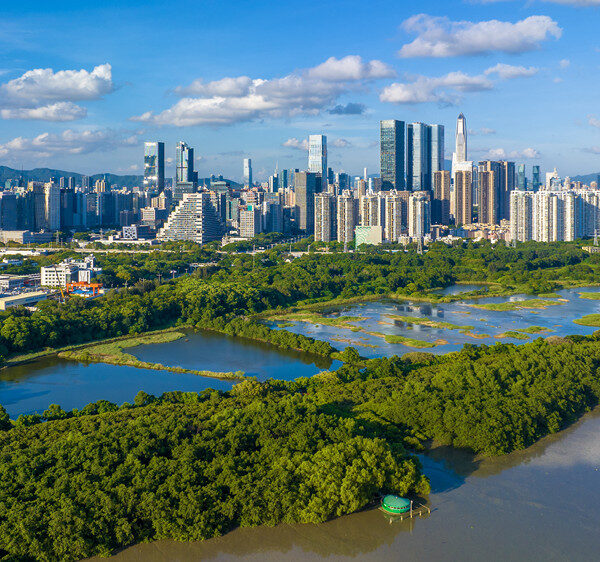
69 271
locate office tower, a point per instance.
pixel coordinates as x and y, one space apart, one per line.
247 172
272 216
346 217
250 221
365 175
461 139
317 158
325 218
507 184
418 156
419 214
181 188
194 218
184 163
374 184
440 208
488 197
342 180
154 166
274 183
8 210
392 154
52 206
535 178
463 195
521 178
305 187
283 179
437 148
372 210
396 214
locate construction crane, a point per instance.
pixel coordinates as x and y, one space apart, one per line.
62 294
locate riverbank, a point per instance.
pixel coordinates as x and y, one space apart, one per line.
112 353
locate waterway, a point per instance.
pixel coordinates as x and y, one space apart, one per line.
474 325
32 387
539 504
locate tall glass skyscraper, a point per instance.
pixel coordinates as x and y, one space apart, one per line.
521 178
436 133
418 155
184 163
535 178
392 155
154 166
317 157
248 172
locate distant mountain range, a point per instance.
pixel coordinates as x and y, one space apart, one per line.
45 174
588 178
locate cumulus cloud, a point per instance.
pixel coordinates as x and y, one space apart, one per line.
47 95
233 100
351 108
594 121
293 142
564 63
508 71
445 89
502 154
341 143
59 111
48 145
448 89
440 37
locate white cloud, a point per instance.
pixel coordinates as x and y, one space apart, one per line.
594 121
441 37
341 143
59 111
592 150
444 89
48 145
508 71
295 143
501 154
482 131
233 100
48 96
575 2
564 63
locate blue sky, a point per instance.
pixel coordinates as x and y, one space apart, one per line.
83 84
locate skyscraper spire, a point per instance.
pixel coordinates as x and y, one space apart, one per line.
461 138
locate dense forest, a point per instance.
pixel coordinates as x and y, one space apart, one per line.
190 466
237 285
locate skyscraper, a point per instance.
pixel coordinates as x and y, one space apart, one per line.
346 217
396 214
248 172
317 158
521 178
305 187
440 209
418 156
463 187
419 214
392 154
461 138
184 163
437 150
154 166
488 196
325 217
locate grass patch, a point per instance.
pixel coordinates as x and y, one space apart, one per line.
428 322
410 342
535 330
474 334
112 353
345 322
589 320
517 305
590 296
513 334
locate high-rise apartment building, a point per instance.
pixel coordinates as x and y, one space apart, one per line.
419 214
392 150
250 221
396 214
325 217
305 187
346 217
507 185
440 205
488 196
154 166
247 172
184 163
317 158
195 218
463 186
372 209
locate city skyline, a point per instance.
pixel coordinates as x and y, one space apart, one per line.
525 86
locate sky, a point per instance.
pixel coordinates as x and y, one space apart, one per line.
83 84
